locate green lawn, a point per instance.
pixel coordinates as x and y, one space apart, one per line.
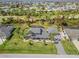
17 45
36 48
69 47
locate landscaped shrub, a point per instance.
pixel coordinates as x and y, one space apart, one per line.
30 42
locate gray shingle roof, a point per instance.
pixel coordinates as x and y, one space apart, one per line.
6 30
35 30
2 35
52 30
38 33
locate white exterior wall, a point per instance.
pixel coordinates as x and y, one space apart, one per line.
2 39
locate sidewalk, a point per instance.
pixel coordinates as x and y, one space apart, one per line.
60 49
76 43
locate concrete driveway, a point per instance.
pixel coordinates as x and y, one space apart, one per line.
60 49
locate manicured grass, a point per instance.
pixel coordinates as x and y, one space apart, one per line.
69 47
36 48
17 45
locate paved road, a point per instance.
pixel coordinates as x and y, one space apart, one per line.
60 49
36 56
72 33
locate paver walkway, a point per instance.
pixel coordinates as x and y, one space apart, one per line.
60 49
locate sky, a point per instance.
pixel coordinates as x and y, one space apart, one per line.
43 0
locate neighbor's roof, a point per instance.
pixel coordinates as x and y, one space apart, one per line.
6 29
2 35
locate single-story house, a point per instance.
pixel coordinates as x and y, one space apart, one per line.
5 32
38 32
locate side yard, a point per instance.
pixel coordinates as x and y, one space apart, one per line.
69 47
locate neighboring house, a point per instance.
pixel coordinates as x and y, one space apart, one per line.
37 32
5 32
